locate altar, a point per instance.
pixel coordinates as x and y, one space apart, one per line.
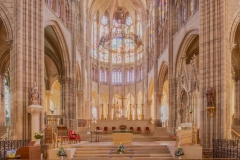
122 136
123 121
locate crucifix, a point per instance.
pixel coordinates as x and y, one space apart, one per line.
122 98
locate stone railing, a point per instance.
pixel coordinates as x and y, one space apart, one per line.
54 120
11 144
224 148
84 122
235 135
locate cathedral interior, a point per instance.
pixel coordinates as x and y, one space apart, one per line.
148 64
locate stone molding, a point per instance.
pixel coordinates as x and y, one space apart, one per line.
34 109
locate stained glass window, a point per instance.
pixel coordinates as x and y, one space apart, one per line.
192 6
105 75
120 76
129 43
94 113
101 75
184 13
104 30
128 76
122 42
132 75
94 37
139 32
7 103
162 8
113 76
117 49
59 10
151 24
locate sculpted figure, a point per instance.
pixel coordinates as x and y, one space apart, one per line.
210 97
34 94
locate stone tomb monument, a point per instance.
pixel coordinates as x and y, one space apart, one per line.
185 134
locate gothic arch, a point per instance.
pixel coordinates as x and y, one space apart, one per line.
185 42
162 74
4 14
63 45
233 26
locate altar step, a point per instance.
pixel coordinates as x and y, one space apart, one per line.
162 132
136 137
103 152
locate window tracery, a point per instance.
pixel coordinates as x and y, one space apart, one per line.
94 37
151 25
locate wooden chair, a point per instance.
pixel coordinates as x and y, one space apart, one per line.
73 137
139 130
131 129
113 129
77 136
105 129
97 128
147 130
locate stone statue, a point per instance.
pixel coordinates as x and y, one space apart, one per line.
34 94
210 97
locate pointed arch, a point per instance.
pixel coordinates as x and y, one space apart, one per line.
63 45
184 45
163 72
4 14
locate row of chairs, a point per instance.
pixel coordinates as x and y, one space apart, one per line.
138 130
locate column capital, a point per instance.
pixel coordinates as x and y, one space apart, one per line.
48 92
34 109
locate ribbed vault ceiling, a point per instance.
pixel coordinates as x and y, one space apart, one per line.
110 6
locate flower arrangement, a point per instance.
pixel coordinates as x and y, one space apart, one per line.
120 148
62 152
38 135
179 151
11 153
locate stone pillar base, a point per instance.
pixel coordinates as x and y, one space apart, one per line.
35 111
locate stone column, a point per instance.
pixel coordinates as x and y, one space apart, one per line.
236 102
215 69
79 105
27 59
35 111
173 24
48 99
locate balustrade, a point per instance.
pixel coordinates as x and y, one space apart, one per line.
54 120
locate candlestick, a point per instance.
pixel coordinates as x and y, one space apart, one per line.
136 116
130 112
108 116
102 118
142 112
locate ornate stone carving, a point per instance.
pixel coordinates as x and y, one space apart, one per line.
34 110
120 15
232 46
210 97
34 94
